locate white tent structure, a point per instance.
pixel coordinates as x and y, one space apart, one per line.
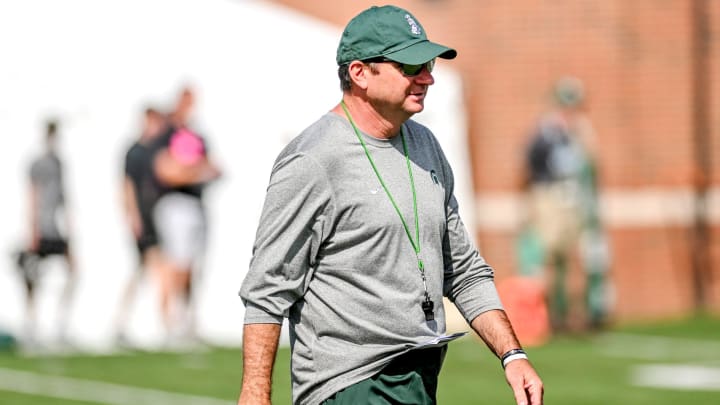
262 73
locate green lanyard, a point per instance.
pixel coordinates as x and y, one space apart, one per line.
427 305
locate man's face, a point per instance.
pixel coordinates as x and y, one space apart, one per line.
393 93
184 106
154 123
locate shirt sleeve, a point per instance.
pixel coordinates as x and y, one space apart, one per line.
130 163
293 225
469 280
35 172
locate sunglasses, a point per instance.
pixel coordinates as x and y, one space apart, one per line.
409 70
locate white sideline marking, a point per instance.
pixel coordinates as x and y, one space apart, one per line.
677 376
95 391
663 348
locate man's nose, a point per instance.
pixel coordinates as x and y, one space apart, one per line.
425 77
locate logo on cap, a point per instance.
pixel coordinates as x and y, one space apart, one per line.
414 28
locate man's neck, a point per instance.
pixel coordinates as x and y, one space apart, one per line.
368 119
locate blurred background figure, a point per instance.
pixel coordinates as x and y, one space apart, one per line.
183 168
140 192
49 235
564 224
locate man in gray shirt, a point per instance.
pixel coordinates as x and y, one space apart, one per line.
49 233
360 238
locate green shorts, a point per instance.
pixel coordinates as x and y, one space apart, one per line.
410 379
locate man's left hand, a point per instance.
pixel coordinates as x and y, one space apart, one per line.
525 383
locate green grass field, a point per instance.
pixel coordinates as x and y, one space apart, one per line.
609 368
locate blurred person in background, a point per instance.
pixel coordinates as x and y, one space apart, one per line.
346 252
563 202
49 226
140 191
183 168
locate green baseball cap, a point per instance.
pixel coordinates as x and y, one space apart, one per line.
388 32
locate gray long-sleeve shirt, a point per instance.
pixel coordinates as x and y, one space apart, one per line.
47 179
332 256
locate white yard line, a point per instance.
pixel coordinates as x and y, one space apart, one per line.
677 376
95 391
659 348
698 367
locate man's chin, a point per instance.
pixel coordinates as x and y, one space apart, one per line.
415 107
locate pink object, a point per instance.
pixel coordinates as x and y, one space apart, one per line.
186 147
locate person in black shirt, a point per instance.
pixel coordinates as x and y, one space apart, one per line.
140 192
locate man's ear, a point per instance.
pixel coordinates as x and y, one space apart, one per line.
358 73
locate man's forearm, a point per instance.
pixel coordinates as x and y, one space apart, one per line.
260 343
132 212
173 173
495 330
34 215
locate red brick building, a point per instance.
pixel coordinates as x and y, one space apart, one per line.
652 73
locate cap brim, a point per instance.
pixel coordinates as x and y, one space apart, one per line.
421 52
